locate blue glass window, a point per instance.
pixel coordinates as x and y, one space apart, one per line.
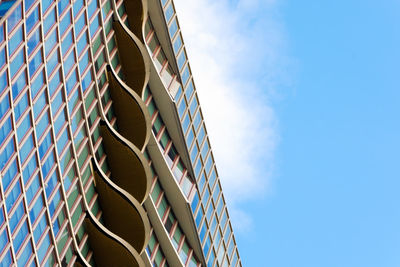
202 182
1 31
36 209
45 244
84 62
29 169
39 230
78 5
20 237
5 130
197 120
14 18
38 107
199 217
201 135
173 28
9 149
3 243
33 189
193 106
60 121
37 84
45 145
62 142
71 82
62 5
79 24
65 23
17 62
28 4
33 41
3 82
2 57
32 19
178 93
13 196
181 108
15 41
49 21
68 63
24 127
35 63
56 102
51 184
51 41
16 217
54 203
67 43
185 75
54 83
94 26
212 178
194 153
207 245
87 81
46 4
52 63
195 202
181 59
10 174
163 2
169 12
4 106
82 43
92 8
26 149
47 165
189 90
7 260
19 84
21 106
189 138
185 123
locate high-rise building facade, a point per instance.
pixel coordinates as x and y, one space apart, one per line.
104 154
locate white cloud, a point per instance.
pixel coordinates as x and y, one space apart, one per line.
236 53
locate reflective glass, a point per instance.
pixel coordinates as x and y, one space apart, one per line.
15 41
21 106
33 41
49 21
173 28
177 44
17 62
35 63
65 23
5 130
51 41
32 189
32 19
26 148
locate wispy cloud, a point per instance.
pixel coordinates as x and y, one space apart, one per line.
237 54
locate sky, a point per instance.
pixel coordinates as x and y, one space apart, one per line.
302 105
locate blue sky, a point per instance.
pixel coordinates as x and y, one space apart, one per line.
320 80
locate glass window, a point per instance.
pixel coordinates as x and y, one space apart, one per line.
71 82
3 82
67 43
177 44
52 63
57 102
5 130
47 165
59 123
183 253
173 28
51 184
51 41
181 59
17 62
42 251
177 237
83 42
13 196
49 21
32 189
87 80
20 107
8 150
92 8
35 63
46 4
2 57
78 5
79 24
186 123
194 153
33 41
199 217
10 174
15 41
94 26
20 236
42 125
197 120
36 209
26 254
84 62
45 145
169 12
14 17
19 84
65 23
26 148
32 20
23 127
185 75
37 84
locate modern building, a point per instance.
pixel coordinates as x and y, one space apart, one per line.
104 154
